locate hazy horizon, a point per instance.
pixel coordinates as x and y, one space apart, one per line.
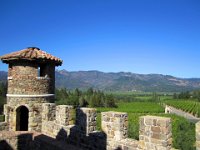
119 72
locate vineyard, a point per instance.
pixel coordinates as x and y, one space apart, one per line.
183 131
191 107
135 107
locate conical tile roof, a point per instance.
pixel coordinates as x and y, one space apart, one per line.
32 54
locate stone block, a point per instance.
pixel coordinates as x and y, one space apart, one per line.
63 114
115 125
86 120
155 132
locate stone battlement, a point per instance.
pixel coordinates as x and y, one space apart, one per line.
154 133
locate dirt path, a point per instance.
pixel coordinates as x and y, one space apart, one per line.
188 116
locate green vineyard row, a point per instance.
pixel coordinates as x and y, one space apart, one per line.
191 107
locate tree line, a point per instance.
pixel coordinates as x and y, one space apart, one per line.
77 98
188 95
88 98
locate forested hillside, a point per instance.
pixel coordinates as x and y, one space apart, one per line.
124 81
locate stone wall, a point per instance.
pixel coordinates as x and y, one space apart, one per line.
49 112
57 124
115 126
155 133
57 120
15 140
34 105
86 120
50 128
23 140
64 115
24 78
30 84
82 134
17 69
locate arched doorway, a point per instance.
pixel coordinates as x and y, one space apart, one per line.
22 118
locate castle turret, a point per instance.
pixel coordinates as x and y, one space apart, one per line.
31 82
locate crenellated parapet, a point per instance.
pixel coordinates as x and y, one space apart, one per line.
56 119
57 123
155 132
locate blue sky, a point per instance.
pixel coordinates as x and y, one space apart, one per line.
140 36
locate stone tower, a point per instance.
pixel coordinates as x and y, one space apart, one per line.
31 82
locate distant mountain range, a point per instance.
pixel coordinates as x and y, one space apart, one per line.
122 81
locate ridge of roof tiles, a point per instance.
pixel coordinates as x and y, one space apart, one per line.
31 53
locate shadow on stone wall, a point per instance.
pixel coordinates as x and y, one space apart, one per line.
118 148
24 141
32 141
37 141
93 141
15 140
4 145
84 134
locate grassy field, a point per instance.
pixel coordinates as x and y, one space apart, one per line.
183 132
135 107
139 93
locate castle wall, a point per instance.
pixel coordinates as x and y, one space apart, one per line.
23 140
15 140
34 106
115 126
86 120
30 87
24 78
155 132
84 133
56 120
61 127
64 115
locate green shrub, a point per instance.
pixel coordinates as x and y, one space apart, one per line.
2 118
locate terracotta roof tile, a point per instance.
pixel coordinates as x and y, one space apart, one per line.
31 53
